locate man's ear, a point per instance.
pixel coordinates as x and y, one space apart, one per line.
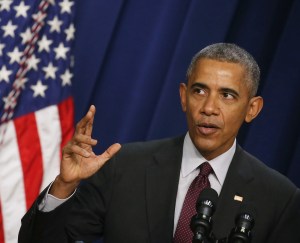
182 92
255 105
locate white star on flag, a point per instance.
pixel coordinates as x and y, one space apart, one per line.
70 32
15 55
4 74
66 6
9 29
66 78
1 49
21 10
44 44
50 71
9 102
33 62
61 51
26 35
39 89
55 24
5 5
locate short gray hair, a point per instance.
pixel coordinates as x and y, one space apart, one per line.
227 52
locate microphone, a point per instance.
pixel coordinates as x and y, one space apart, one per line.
201 222
244 223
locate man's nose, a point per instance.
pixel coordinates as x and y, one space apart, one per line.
210 105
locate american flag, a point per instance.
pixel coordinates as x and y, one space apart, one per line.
36 106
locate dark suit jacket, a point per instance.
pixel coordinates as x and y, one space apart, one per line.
132 200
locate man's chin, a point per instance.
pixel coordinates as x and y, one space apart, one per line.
206 149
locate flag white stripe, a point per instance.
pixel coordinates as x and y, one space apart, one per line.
12 193
49 130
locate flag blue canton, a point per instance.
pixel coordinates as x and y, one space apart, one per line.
46 35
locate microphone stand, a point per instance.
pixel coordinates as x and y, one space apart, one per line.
200 228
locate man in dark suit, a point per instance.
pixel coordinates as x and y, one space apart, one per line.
138 195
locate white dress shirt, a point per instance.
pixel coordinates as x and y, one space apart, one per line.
51 202
191 160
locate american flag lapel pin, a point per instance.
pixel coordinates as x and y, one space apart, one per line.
238 198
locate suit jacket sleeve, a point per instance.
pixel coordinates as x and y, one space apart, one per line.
288 226
79 218
39 226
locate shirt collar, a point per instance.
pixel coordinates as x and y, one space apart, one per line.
192 158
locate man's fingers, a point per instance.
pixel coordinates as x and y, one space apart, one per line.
89 125
76 149
85 125
84 139
111 151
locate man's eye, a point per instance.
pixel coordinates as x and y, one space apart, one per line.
228 96
199 91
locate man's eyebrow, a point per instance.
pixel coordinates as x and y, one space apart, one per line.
222 89
199 85
231 91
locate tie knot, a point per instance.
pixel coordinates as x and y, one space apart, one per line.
205 169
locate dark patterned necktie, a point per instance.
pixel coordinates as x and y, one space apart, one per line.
183 233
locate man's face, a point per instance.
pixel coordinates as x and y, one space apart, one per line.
216 101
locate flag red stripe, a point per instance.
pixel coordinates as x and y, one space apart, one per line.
30 154
1 227
66 115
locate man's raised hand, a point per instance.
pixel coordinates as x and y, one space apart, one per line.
78 159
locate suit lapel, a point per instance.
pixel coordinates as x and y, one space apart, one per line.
238 179
162 178
161 189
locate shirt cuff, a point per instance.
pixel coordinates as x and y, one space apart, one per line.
51 202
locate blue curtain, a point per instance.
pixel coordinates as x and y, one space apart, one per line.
130 57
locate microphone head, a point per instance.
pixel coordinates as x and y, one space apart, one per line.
209 197
244 223
247 214
201 223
